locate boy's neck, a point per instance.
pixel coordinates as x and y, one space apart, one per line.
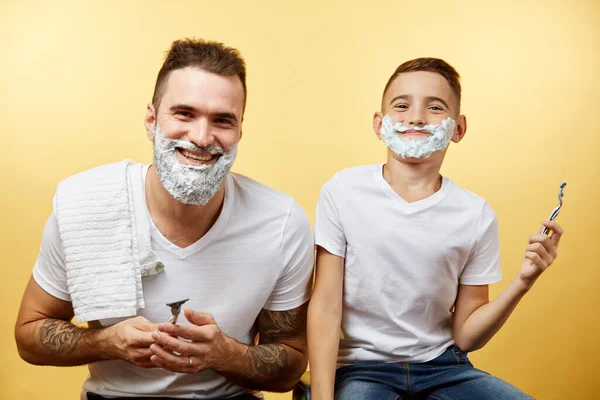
413 181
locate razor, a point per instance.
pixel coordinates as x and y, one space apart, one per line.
555 212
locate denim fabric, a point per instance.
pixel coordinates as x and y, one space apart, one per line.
451 376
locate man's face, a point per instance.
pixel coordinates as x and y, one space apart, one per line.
417 99
195 132
200 107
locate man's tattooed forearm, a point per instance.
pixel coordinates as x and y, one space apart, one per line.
59 337
269 359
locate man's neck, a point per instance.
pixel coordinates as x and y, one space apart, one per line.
182 224
413 181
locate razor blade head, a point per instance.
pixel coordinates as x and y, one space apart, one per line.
177 303
175 310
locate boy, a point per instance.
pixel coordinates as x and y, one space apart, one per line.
405 257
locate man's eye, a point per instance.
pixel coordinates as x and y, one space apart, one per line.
185 114
223 121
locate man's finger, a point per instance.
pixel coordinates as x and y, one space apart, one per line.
140 339
167 360
199 318
205 333
173 345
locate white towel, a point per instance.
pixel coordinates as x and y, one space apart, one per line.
107 249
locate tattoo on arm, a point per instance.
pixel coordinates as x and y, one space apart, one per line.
270 356
269 359
282 325
59 337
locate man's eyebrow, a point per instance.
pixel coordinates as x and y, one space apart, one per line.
402 96
184 107
435 98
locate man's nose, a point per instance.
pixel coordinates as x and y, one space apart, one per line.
201 134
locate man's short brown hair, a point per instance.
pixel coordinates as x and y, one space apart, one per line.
430 65
209 56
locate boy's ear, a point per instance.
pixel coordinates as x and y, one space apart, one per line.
377 119
460 129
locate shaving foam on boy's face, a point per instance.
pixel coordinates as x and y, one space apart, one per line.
407 146
190 184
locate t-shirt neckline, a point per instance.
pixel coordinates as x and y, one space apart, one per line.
213 232
414 206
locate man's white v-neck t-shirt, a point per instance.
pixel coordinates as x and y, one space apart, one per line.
403 262
258 255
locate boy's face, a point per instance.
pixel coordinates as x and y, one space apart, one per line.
420 98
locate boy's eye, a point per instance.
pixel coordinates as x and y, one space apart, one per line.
436 108
400 106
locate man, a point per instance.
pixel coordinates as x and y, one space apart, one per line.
241 252
405 257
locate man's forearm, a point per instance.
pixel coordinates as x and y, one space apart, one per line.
273 367
487 320
57 342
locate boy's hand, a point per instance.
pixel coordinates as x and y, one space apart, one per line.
540 253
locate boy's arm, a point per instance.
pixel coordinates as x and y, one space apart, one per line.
324 320
476 319
45 335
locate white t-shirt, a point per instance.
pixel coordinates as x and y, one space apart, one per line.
259 254
403 262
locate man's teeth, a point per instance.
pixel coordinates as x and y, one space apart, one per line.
196 156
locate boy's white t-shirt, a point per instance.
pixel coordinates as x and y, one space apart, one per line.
258 254
403 262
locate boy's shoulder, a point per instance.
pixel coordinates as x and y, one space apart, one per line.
354 175
466 197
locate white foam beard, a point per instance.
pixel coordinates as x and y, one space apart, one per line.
416 147
190 184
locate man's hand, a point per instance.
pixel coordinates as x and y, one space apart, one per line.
130 340
540 254
204 345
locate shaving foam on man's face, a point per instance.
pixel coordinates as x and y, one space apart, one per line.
190 184
407 146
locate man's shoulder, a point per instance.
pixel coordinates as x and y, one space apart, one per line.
99 172
258 195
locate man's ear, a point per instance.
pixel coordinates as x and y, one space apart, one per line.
461 129
150 121
377 120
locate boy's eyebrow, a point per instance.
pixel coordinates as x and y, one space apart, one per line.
402 96
434 98
428 99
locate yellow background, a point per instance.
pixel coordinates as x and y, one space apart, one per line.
75 78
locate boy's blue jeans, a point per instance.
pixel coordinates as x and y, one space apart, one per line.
450 376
